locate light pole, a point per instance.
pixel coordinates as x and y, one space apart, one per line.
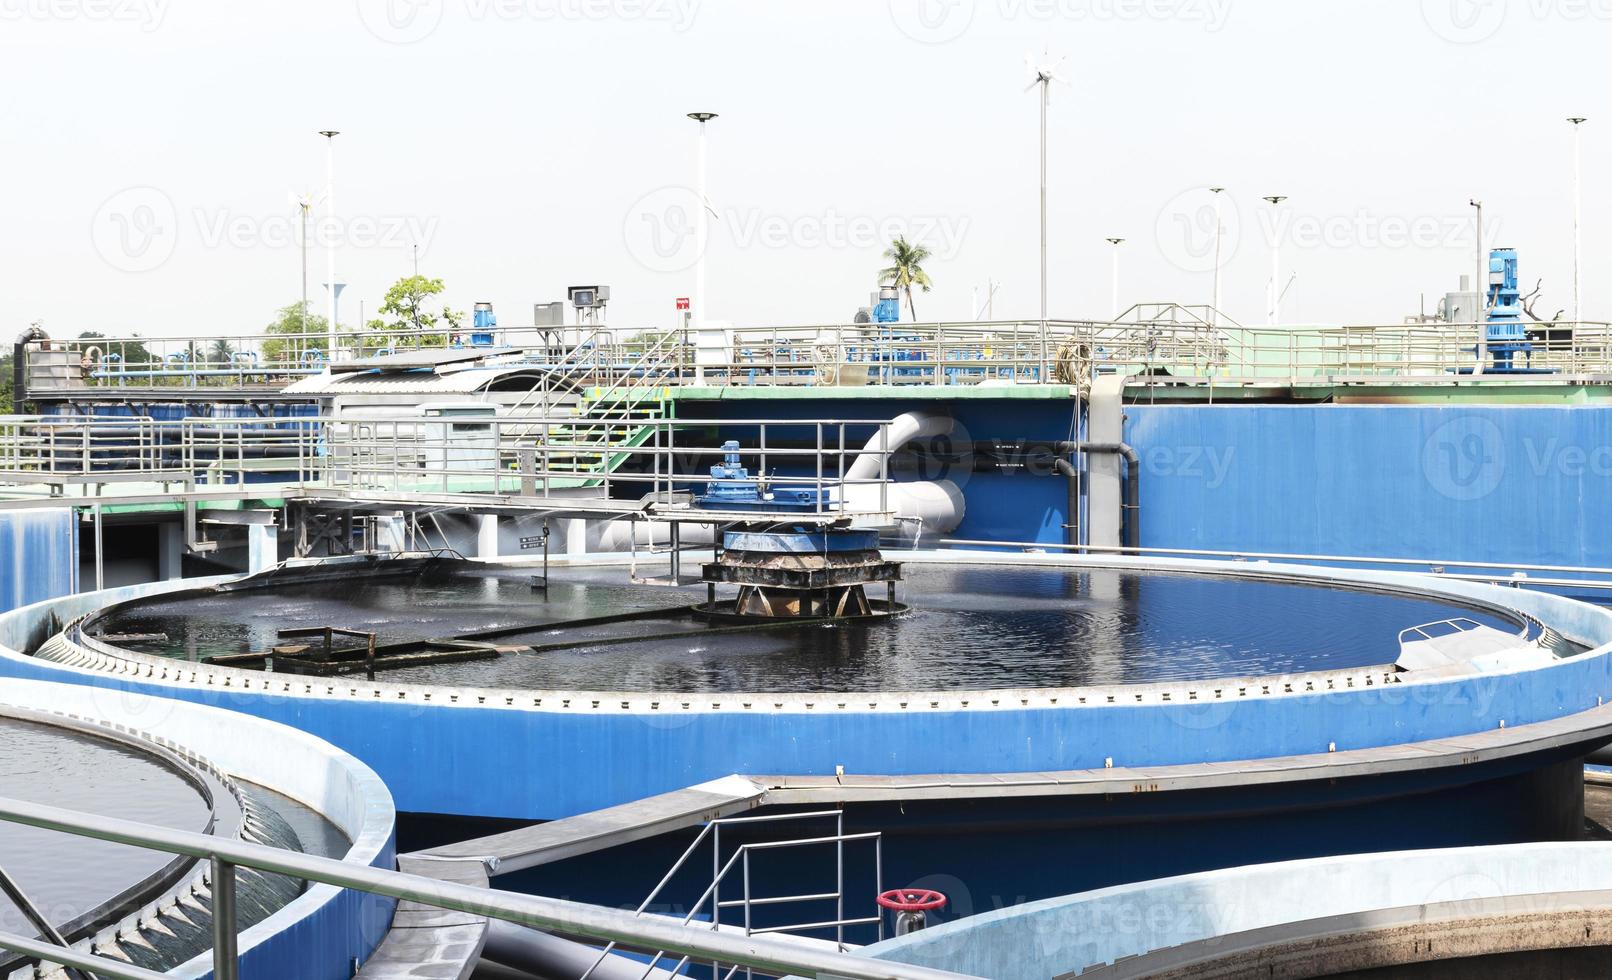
1480 283
1045 75
1274 311
1116 242
1214 309
330 243
702 226
1578 209
304 205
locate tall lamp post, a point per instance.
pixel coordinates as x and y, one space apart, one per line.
1214 309
1480 285
1274 311
1114 302
1578 210
703 225
330 243
1044 76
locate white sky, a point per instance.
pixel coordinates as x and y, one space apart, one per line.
149 147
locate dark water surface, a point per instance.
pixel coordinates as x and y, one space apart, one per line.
66 876
971 628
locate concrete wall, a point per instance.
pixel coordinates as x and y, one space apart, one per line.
321 932
1065 935
526 754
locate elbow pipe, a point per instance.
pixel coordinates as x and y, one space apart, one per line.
1072 510
19 358
1133 482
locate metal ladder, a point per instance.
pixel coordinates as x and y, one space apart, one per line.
740 861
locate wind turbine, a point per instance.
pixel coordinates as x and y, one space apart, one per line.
1044 73
304 204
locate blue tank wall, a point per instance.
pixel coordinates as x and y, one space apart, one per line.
541 764
38 556
1502 484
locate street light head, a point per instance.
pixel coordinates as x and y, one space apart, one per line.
1475 203
328 133
1115 241
1216 190
1276 198
1575 120
702 116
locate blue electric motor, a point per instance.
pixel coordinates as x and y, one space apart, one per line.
482 324
1506 332
732 488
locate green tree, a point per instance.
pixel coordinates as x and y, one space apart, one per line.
7 395
906 269
291 335
405 317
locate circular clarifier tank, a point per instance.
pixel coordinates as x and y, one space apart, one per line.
82 883
967 627
188 768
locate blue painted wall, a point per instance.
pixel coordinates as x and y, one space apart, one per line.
540 764
38 556
1503 484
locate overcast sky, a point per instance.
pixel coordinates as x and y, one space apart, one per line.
152 148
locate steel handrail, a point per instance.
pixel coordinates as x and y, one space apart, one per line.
554 915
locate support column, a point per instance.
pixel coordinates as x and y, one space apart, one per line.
1105 422
487 536
170 551
262 547
576 536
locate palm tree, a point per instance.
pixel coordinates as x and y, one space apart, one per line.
906 269
221 351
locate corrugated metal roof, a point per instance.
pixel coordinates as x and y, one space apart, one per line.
463 382
429 357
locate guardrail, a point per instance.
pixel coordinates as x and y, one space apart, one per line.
660 460
1155 344
1517 575
586 922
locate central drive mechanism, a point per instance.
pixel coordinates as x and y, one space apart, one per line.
795 571
804 573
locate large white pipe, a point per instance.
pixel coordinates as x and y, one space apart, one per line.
921 507
902 430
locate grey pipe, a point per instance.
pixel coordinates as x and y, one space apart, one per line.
19 376
552 958
1133 482
1072 517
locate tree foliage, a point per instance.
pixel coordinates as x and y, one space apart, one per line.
292 334
406 320
906 269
